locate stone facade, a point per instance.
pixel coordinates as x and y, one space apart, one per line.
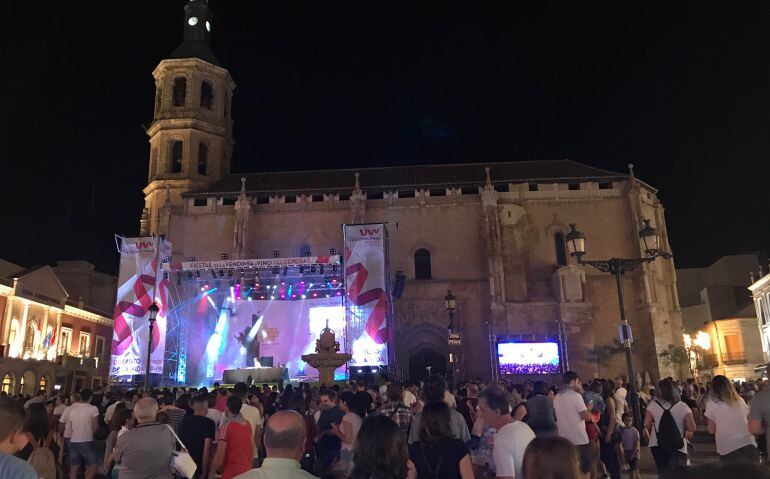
494 233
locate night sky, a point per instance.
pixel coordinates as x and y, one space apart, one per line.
680 89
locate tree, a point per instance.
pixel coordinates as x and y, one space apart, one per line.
675 357
601 354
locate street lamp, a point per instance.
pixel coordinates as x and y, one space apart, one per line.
649 240
450 304
153 312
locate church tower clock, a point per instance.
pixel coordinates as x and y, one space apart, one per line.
191 136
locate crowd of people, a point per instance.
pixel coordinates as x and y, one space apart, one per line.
409 430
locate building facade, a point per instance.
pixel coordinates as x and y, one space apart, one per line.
715 300
47 340
491 233
760 293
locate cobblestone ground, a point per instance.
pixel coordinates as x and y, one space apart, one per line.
705 451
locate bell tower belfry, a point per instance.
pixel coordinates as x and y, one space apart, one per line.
191 135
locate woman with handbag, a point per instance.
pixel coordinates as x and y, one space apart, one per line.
234 450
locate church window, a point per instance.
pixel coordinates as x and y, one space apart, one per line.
176 156
438 192
153 162
607 185
203 158
207 95
344 196
374 196
317 198
229 201
406 194
561 249
422 264
533 187
574 186
180 91
200 202
8 384
502 188
263 199
290 199
469 191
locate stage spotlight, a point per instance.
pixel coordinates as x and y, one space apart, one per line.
332 251
294 295
276 253
225 256
261 296
339 293
272 297
327 295
315 295
249 298
203 288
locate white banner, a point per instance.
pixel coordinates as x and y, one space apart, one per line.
139 285
252 263
367 300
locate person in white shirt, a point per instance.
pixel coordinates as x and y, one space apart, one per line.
384 392
83 419
727 415
252 415
512 436
669 401
620 397
285 436
571 415
111 408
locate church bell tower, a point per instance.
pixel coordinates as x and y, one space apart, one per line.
191 136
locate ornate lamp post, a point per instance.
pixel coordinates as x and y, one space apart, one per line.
450 303
153 313
649 240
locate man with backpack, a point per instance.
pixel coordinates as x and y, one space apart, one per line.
670 423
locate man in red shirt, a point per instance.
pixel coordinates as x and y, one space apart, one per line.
221 403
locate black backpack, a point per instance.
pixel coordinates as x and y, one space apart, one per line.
669 437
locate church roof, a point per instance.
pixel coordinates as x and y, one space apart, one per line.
410 177
195 49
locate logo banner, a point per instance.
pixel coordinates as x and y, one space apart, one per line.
367 299
252 263
140 283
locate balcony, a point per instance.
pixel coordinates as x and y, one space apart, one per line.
724 359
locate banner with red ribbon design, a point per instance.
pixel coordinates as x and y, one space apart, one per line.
140 282
367 298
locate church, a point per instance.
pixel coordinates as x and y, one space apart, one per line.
491 233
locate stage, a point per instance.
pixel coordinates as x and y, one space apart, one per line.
255 375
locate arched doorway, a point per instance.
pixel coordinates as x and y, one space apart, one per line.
423 359
9 384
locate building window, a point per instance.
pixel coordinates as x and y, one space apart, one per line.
176 156
65 340
98 347
374 196
158 99
605 185
344 197
84 344
469 191
229 201
8 384
573 186
502 188
42 384
200 202
437 192
14 332
203 158
153 162
561 249
422 264
290 199
317 198
406 194
29 337
179 94
207 95
533 187
263 199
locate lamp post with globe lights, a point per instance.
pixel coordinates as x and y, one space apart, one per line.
153 313
450 304
649 240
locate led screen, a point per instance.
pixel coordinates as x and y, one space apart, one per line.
528 358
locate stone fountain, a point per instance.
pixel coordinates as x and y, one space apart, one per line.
327 357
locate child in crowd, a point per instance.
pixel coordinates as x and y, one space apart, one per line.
630 439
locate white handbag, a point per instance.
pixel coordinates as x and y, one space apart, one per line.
181 461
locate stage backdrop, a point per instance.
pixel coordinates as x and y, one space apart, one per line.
284 330
365 286
138 285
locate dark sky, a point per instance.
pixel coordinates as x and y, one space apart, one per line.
680 89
